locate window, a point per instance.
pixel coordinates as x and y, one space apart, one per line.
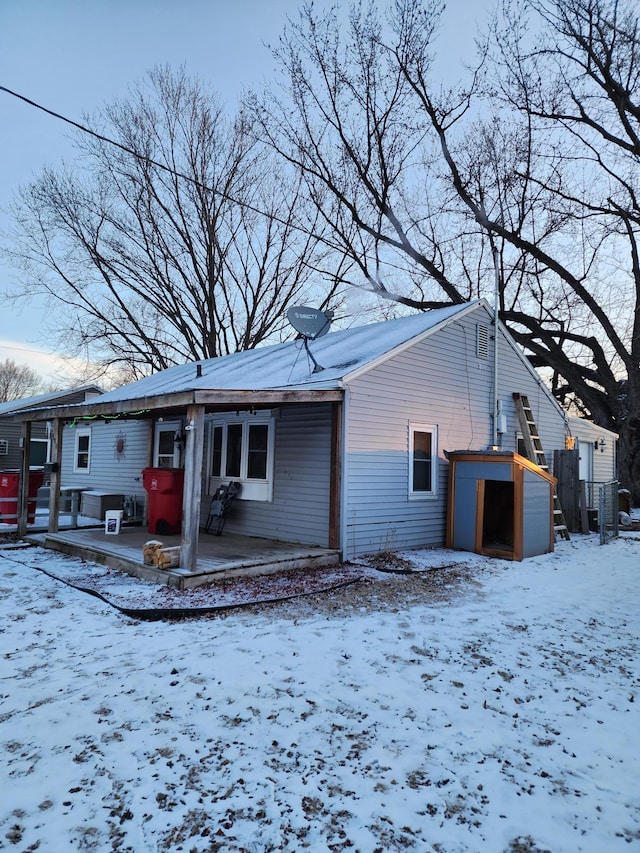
4 447
38 451
423 457
82 456
241 449
167 447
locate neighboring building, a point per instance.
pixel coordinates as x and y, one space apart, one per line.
345 450
597 451
11 425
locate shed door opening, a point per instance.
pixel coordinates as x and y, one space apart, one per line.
497 515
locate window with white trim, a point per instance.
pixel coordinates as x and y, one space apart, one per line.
4 447
166 447
82 451
423 461
241 449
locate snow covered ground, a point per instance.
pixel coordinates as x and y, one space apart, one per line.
472 705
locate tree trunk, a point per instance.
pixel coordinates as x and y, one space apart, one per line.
629 457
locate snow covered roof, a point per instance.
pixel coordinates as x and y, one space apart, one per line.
274 373
287 366
52 398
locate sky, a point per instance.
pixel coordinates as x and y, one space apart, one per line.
473 704
73 56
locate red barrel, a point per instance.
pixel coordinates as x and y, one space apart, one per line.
165 487
9 487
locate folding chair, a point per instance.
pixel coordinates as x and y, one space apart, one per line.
220 506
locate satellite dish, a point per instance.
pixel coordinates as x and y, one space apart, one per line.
311 323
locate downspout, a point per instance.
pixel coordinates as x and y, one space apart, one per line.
496 321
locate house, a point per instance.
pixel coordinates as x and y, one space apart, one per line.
11 425
341 445
597 450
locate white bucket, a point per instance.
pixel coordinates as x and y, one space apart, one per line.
112 521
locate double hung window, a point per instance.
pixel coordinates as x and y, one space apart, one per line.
167 446
423 458
82 451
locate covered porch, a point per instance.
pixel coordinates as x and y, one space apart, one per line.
227 556
202 557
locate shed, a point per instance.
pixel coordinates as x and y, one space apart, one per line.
500 504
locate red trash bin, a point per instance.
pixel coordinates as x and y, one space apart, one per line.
164 486
9 487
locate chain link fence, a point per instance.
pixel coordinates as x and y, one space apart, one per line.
608 511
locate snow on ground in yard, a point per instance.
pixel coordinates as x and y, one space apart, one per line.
472 705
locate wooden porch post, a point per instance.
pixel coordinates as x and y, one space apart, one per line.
148 464
23 490
335 475
54 481
192 494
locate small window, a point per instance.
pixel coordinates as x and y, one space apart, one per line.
82 457
482 341
216 451
257 449
38 451
423 457
166 451
234 451
4 447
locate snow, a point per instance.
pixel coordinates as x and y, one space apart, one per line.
469 704
287 366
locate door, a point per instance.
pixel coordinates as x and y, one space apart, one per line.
167 450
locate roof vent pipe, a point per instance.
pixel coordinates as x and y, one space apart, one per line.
198 371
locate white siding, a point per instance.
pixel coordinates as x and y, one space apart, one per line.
110 471
604 463
439 381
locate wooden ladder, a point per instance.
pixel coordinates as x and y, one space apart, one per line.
535 452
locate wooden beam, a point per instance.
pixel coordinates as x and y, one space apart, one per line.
145 407
267 398
192 494
151 434
54 481
23 488
134 409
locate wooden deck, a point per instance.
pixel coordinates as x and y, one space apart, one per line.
223 556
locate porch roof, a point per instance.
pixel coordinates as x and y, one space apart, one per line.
266 376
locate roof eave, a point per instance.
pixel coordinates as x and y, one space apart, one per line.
145 407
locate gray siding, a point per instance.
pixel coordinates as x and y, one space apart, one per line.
109 471
438 381
299 510
537 514
11 431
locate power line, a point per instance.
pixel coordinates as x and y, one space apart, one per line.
84 129
4 345
150 160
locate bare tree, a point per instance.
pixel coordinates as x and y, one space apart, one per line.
17 381
536 163
180 242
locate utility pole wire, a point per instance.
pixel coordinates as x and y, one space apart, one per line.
272 216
